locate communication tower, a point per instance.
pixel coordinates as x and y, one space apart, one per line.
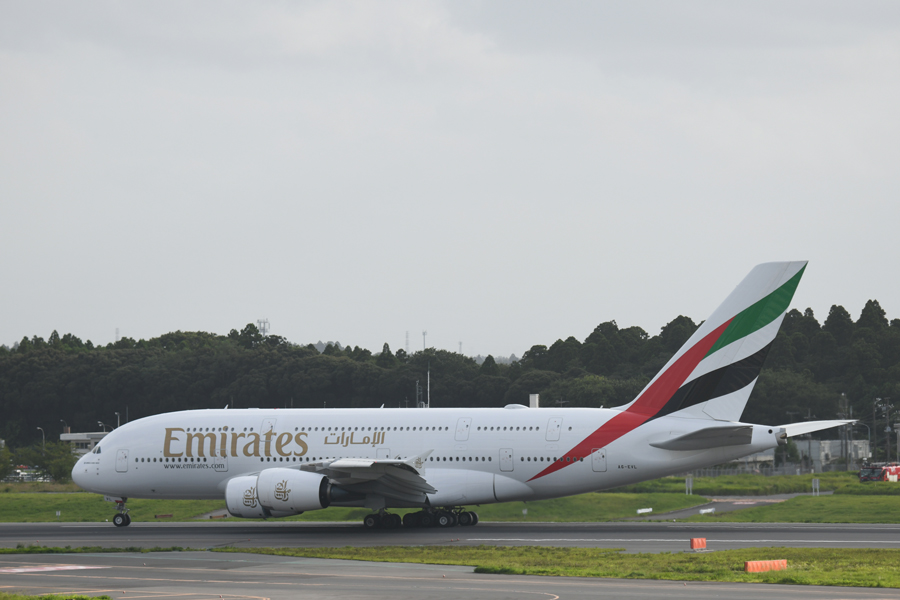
263 326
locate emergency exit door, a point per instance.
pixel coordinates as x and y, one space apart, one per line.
121 461
598 460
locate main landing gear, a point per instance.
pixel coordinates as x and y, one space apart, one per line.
423 518
122 519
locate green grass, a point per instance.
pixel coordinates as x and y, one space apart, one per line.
870 488
30 507
815 509
36 486
587 507
807 566
581 508
746 485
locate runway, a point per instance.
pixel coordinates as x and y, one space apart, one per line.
207 575
632 536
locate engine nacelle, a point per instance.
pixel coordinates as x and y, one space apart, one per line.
277 493
241 498
291 492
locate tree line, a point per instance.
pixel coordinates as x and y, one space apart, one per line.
809 367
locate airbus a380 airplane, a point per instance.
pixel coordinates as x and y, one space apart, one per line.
275 463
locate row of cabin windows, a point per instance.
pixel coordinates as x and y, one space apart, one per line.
335 429
332 429
314 459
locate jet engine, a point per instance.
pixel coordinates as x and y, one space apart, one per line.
277 493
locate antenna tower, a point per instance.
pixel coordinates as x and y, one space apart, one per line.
263 326
424 346
407 342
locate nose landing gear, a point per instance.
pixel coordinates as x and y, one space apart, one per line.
122 519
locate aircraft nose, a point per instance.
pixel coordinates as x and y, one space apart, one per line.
78 474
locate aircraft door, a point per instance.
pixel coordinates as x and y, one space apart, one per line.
506 459
382 453
121 461
219 463
553 427
598 460
462 429
267 425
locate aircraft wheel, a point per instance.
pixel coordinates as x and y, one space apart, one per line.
474 518
127 519
371 521
412 520
445 519
427 519
389 521
465 519
120 520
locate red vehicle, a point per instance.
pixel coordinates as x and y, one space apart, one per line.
880 472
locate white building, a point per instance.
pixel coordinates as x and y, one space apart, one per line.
823 452
82 443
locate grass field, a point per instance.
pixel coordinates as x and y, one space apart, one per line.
808 566
852 502
30 507
816 509
746 485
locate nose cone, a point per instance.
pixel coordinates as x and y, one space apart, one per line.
79 476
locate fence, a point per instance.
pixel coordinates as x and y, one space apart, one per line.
787 469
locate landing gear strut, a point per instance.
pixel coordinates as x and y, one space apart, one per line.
122 519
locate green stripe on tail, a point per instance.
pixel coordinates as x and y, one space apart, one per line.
760 314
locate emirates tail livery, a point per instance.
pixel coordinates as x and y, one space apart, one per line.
275 463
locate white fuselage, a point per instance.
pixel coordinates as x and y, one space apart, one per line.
477 455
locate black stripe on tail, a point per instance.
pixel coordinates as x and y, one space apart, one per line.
716 384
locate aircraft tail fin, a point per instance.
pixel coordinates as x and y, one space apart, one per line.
712 374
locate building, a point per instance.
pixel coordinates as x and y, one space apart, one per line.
82 443
822 452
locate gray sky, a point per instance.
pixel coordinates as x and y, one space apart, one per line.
502 174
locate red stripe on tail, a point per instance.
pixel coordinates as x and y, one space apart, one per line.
645 407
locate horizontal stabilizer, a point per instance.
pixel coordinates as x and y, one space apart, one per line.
794 429
710 437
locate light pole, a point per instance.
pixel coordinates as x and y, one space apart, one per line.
118 420
43 440
103 425
868 434
65 426
875 429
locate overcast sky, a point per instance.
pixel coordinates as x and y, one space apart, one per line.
498 173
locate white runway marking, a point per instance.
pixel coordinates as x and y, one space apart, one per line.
47 568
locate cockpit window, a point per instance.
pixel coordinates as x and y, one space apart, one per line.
96 450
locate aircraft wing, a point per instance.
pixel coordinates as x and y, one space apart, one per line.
385 477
